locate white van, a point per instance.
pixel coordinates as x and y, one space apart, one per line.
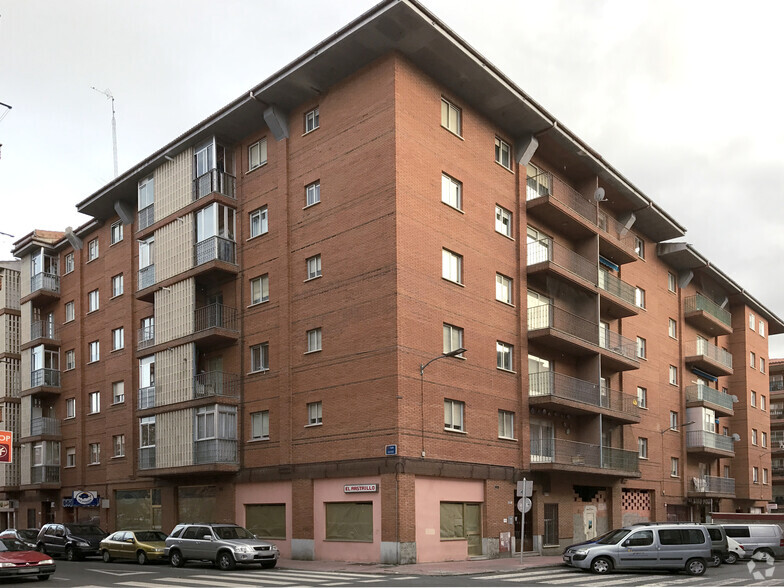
758 539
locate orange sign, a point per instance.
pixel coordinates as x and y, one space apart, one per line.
6 446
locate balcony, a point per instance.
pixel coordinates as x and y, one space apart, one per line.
147 458
547 258
216 254
776 414
618 298
776 385
146 217
561 330
146 397
712 487
702 395
213 181
553 201
571 395
616 243
778 471
216 325
777 441
44 426
44 285
211 384
146 277
45 378
709 358
618 352
707 316
45 330
45 474
215 451
709 443
146 337
572 456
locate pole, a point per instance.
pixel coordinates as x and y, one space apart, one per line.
114 138
522 525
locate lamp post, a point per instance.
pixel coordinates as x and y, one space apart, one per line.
422 366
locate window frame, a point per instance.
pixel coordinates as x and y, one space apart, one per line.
263 357
504 283
120 446
92 250
639 247
258 145
451 261
449 331
115 233
502 146
118 338
315 413
94 403
94 353
447 108
262 282
675 467
261 216
70 311
673 420
263 417
642 397
672 282
639 297
642 348
312 120
70 359
504 350
452 406
504 221
118 398
93 298
642 447
68 262
672 328
118 279
314 260
94 452
70 457
451 189
313 194
70 408
673 375
313 340
506 428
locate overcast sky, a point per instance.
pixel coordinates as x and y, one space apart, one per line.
683 98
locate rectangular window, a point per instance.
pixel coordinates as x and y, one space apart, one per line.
118 444
725 431
673 329
451 117
259 289
94 351
672 284
642 348
674 467
506 424
259 425
762 365
349 521
312 194
69 263
639 247
258 222
451 266
642 447
451 192
755 475
453 415
639 297
503 288
764 439
146 192
763 402
70 408
147 432
314 340
673 375
673 420
93 301
726 471
752 359
503 153
312 120
69 312
118 392
458 519
314 413
754 436
751 321
453 338
257 154
503 221
95 453
503 353
761 326
117 233
642 397
70 359
70 457
146 253
313 266
92 250
266 521
259 357
764 475
118 338
753 398
117 285
95 402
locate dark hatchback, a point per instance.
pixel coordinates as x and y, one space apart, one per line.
72 540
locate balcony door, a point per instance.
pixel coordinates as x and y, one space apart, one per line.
542 441
539 311
540 381
539 246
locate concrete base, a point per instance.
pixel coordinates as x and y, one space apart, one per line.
302 549
490 546
398 553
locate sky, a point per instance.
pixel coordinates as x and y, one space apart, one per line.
682 97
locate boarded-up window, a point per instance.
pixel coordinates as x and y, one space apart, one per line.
138 509
267 521
197 503
349 521
452 520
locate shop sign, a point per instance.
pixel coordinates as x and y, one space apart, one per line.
6 447
82 498
352 488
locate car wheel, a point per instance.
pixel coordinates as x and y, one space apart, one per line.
268 564
43 577
176 560
765 555
715 560
695 566
70 554
225 561
141 558
731 558
106 557
601 565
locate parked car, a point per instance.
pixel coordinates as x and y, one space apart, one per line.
27 536
223 544
17 560
72 540
719 549
664 547
143 546
758 540
736 551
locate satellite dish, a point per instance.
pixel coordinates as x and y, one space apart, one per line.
735 437
598 195
735 399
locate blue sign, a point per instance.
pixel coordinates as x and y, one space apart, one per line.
390 450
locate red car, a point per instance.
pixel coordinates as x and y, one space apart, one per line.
16 560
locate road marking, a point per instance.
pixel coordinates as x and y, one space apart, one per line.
523 575
730 581
117 573
347 575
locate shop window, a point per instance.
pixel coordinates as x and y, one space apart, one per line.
266 521
349 521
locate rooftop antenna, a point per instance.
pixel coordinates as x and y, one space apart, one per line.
108 94
6 110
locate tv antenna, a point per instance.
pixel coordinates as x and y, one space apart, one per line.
6 110
108 94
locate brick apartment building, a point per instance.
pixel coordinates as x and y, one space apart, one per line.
239 334
777 428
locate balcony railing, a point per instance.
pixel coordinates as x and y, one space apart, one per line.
709 350
563 452
146 216
778 470
146 458
146 277
698 439
146 337
44 426
43 330
776 385
545 184
568 388
215 316
45 281
45 474
215 451
616 343
548 250
713 485
777 413
213 181
777 440
216 384
146 397
699 302
617 287
45 377
216 249
703 393
549 316
615 229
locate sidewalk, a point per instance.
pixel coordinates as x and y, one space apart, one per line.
445 568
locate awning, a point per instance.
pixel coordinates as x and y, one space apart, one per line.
704 375
607 263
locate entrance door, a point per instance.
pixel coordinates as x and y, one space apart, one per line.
473 528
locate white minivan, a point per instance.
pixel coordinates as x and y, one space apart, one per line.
760 540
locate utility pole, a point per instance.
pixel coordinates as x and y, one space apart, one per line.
109 95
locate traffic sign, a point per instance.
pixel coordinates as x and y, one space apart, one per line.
524 504
525 487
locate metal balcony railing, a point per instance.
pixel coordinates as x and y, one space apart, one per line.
776 413
696 439
778 470
45 281
215 451
216 316
44 426
146 337
45 377
703 393
146 216
615 229
546 184
146 276
709 350
45 474
216 384
777 440
563 452
617 287
616 343
146 397
215 248
713 485
568 388
43 330
146 458
549 316
213 181
699 302
548 250
776 385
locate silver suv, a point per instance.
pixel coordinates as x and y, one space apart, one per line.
223 544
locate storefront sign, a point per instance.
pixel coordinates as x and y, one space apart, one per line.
6 447
351 488
82 498
8 505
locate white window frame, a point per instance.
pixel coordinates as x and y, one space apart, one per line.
503 221
118 285
116 233
259 222
70 408
259 357
146 192
69 263
755 475
453 338
313 267
259 425
506 424
94 453
764 439
503 153
451 266
639 297
118 445
639 247
118 338
314 340
451 117
761 326
642 348
673 420
454 415
672 328
70 457
503 288
94 399
752 359
764 475
70 311
259 289
673 375
451 192
762 365
92 250
311 120
642 397
763 402
312 193
70 359
752 326
642 447
754 436
753 398
118 392
504 356
675 467
257 154
147 432
315 414
93 300
672 282
94 351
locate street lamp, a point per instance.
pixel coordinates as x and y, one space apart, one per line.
422 366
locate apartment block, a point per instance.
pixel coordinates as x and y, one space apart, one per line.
776 400
9 382
314 314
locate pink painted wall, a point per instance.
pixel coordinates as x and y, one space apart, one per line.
268 493
429 493
331 490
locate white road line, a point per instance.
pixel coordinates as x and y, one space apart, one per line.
730 581
347 575
165 583
769 583
522 575
192 580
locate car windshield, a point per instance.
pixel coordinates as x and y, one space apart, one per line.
150 536
85 530
12 545
233 533
28 534
613 537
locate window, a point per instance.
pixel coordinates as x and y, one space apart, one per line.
95 402
751 321
453 415
763 402
453 338
95 453
349 521
257 154
639 297
118 338
451 266
642 348
118 392
726 471
312 194
506 424
451 192
642 397
752 359
259 357
457 519
70 408
259 289
672 284
146 192
117 233
258 222
314 267
69 311
503 153
70 359
147 432
312 120
314 340
69 263
754 436
639 247
761 326
673 375
92 250
267 521
503 221
70 457
93 300
673 329
762 365
755 475
503 288
764 475
538 182
503 352
215 422
117 285
118 444
314 413
764 439
146 253
215 220
673 420
725 431
259 425
94 351
753 398
451 117
674 467
642 447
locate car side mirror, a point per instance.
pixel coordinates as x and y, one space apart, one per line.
130 540
207 537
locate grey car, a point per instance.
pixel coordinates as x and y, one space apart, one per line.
223 544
